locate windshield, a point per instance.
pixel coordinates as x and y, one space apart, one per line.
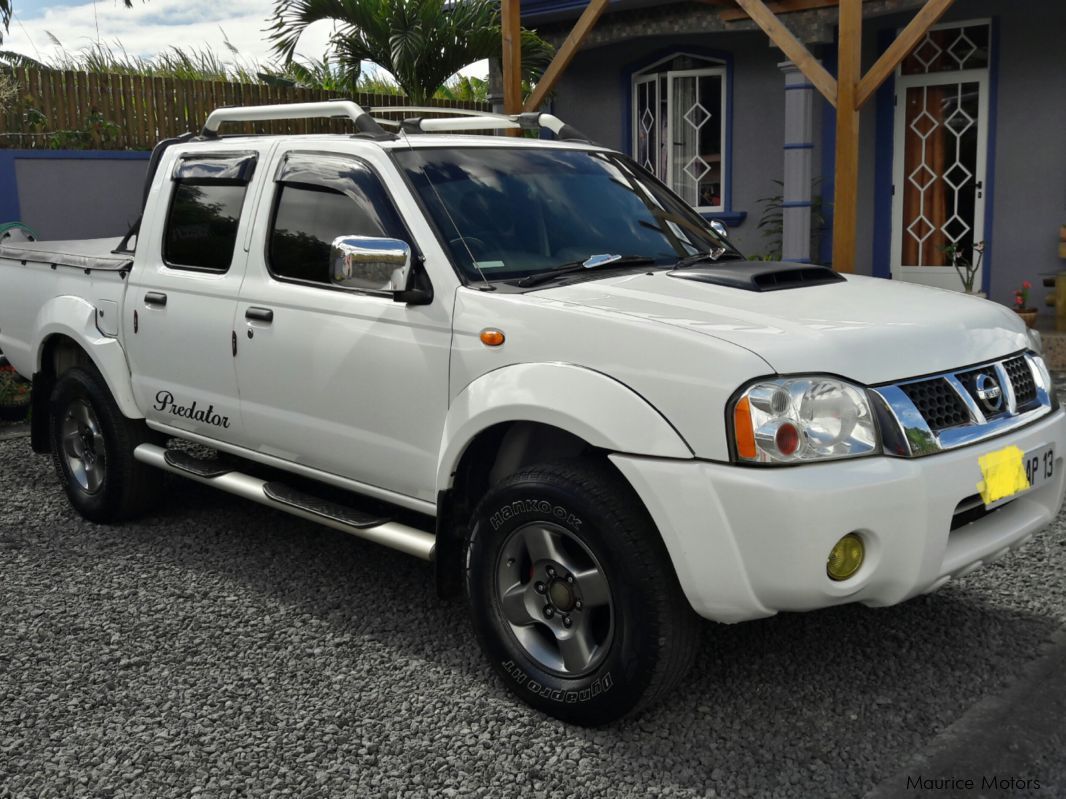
512 212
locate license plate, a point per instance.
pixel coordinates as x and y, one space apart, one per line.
1008 472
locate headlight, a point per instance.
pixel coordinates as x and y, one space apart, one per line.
799 419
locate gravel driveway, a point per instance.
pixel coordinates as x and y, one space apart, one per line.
222 649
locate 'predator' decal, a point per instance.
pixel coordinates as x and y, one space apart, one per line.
164 401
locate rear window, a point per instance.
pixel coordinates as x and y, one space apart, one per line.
205 211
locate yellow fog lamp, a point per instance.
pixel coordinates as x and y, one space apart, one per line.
845 558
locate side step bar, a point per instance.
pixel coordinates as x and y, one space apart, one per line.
391 534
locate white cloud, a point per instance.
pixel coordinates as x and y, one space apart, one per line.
151 27
148 28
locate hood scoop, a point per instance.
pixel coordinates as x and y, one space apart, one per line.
759 275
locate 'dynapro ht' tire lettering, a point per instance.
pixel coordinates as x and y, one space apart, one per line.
573 596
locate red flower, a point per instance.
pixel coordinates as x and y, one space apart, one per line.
1026 284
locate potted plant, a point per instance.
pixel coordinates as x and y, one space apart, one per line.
967 268
1021 304
14 394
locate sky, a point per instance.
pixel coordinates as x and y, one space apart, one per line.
152 26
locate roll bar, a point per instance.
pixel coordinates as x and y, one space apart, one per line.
532 120
460 119
330 109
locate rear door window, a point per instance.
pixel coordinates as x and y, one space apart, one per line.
205 211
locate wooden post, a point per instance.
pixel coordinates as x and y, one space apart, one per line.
910 37
846 189
566 53
793 48
511 23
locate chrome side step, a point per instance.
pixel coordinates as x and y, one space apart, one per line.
294 498
394 535
183 461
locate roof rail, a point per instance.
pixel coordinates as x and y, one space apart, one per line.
481 120
364 123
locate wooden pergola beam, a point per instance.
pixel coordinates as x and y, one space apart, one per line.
908 39
511 25
792 47
779 7
566 53
846 179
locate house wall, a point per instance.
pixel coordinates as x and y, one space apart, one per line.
72 194
594 94
1026 179
1026 183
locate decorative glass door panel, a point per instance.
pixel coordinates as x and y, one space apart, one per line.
650 125
679 131
695 133
941 148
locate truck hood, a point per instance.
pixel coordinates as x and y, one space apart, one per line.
867 329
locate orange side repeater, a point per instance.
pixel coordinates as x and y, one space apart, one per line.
743 431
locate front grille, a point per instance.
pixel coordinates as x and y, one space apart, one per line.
1021 380
938 403
969 382
941 412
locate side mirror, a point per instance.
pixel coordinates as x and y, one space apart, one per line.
719 228
369 263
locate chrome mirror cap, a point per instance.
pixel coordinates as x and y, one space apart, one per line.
719 228
368 263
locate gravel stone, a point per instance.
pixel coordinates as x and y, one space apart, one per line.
221 649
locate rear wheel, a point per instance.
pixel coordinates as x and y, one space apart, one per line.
92 449
573 595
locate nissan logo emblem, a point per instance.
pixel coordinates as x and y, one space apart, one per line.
989 393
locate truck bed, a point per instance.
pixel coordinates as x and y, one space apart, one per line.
76 253
49 286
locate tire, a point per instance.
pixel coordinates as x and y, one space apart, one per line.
613 641
92 450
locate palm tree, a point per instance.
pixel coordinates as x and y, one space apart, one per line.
421 43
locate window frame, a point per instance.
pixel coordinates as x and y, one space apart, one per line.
652 73
245 173
277 183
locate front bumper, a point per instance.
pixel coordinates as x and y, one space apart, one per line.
749 542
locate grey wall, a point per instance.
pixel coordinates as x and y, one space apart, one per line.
1027 165
592 96
73 198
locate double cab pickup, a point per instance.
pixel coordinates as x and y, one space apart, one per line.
529 362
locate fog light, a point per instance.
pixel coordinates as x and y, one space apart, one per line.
846 557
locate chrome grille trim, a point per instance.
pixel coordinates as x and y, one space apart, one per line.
917 438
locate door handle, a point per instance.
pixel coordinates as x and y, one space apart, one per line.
155 298
259 314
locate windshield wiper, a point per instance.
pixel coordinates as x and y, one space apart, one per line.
575 267
713 256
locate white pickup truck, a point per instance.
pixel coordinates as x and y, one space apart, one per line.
531 363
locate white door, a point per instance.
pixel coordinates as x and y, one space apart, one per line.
347 382
940 157
178 324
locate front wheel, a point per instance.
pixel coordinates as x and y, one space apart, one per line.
92 448
573 595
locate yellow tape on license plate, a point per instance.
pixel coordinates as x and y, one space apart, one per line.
1004 474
